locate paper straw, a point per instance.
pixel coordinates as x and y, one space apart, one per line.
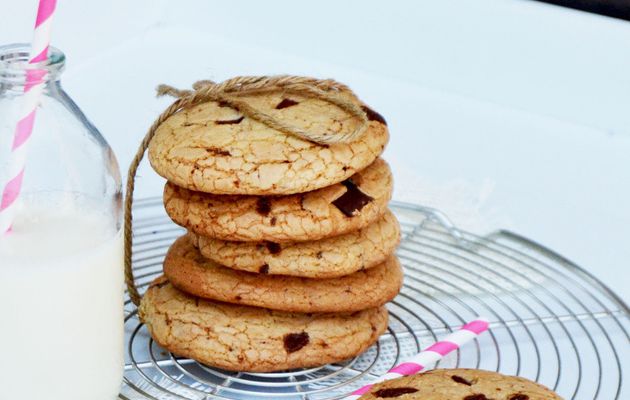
33 88
430 355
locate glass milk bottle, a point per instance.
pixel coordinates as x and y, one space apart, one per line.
61 281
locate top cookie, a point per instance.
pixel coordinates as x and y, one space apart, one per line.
213 148
460 384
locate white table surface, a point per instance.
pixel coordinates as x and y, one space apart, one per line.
503 113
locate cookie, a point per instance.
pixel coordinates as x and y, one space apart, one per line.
325 258
242 338
189 271
215 149
460 384
330 211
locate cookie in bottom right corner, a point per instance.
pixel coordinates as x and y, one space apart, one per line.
460 384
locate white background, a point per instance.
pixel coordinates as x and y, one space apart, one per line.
503 113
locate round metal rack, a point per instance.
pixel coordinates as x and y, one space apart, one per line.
550 320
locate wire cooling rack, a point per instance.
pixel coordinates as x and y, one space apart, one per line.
550 320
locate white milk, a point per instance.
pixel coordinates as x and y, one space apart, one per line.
61 308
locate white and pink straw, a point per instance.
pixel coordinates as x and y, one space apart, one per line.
430 355
33 88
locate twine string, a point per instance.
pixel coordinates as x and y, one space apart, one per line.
232 92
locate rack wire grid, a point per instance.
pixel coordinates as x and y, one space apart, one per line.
550 320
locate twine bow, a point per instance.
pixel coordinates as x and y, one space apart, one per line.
231 93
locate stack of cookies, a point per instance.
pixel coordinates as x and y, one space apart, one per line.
288 260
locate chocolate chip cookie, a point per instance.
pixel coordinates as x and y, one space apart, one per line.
334 210
215 149
189 271
242 338
460 384
325 258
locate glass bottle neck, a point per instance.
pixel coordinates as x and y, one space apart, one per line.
17 74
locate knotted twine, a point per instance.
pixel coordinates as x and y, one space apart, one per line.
230 93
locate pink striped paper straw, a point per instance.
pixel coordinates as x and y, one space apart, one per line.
33 88
430 355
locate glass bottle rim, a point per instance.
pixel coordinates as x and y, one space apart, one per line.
14 63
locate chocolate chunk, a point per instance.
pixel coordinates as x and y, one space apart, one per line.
238 298
286 103
263 206
302 201
218 152
295 341
273 221
353 200
518 396
461 380
319 255
264 269
373 115
478 396
230 122
224 104
394 392
159 283
274 248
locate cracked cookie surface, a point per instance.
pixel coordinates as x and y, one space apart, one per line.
325 258
242 338
189 271
313 215
212 148
460 384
